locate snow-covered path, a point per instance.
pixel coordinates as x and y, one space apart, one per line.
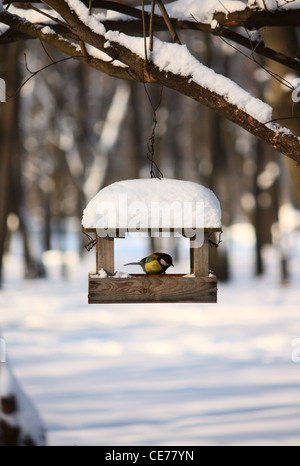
158 374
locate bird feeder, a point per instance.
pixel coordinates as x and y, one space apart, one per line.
153 207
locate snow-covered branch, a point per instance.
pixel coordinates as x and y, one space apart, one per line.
133 27
123 55
253 14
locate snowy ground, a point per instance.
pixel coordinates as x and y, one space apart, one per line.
158 374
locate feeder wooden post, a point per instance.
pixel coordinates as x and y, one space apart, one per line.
200 258
105 258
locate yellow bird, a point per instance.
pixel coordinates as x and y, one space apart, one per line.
155 264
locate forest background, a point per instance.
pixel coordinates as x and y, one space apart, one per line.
70 130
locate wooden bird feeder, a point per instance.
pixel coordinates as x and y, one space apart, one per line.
154 207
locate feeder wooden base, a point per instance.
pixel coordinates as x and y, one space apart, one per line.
150 289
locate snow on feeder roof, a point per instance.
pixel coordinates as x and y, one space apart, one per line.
152 203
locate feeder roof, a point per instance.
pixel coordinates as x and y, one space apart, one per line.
153 203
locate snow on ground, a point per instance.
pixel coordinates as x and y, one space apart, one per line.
158 374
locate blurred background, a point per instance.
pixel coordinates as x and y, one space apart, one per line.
160 374
70 130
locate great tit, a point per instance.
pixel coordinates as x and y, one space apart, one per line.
155 264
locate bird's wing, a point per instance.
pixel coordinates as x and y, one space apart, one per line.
150 258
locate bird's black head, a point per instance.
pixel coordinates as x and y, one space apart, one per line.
165 260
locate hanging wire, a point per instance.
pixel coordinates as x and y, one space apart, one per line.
155 172
144 31
213 243
151 25
92 242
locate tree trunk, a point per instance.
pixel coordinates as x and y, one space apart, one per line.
286 41
8 133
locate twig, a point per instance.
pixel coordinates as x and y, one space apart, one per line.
151 144
92 242
144 31
286 3
57 62
274 75
275 120
214 243
43 12
224 6
168 22
259 47
45 50
151 25
83 49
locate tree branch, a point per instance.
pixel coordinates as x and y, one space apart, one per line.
287 144
251 18
168 21
133 27
259 18
140 70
